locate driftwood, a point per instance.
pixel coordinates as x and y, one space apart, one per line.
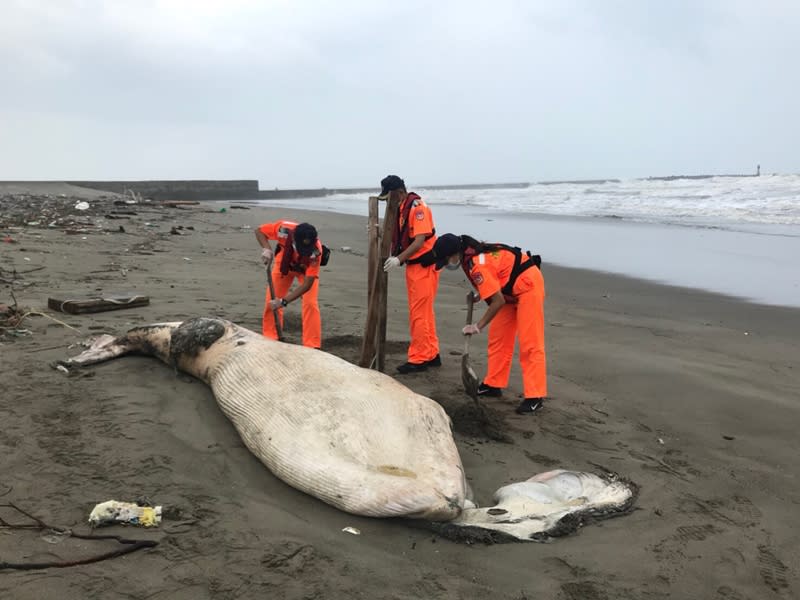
107 302
12 316
179 203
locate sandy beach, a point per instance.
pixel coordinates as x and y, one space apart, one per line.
693 396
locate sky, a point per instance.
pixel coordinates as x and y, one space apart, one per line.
323 93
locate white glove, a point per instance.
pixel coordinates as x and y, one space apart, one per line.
276 303
266 255
471 330
391 263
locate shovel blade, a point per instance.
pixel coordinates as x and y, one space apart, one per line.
469 378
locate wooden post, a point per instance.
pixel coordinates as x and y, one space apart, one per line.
373 234
368 344
389 220
373 349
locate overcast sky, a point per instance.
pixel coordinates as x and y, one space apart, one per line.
307 93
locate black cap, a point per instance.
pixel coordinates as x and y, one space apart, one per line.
305 239
446 246
389 184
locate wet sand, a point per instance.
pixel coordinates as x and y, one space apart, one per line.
693 396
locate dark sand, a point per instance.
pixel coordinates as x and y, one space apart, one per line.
693 396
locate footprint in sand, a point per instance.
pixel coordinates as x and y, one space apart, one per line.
737 510
695 533
726 593
772 570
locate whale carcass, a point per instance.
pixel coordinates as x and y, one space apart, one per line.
356 438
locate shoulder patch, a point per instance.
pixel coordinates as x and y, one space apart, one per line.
478 278
419 215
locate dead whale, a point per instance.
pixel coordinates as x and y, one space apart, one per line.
356 438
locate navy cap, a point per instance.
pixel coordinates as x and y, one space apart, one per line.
446 246
389 184
305 239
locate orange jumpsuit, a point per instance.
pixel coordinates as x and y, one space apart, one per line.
301 267
525 318
421 285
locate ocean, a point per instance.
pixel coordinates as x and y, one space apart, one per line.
738 236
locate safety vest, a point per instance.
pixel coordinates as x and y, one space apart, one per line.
533 260
400 237
293 260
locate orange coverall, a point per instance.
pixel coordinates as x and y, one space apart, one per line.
525 318
302 267
421 286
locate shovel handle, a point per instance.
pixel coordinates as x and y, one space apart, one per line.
470 304
272 297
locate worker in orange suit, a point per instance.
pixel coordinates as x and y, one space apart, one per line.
412 241
297 256
512 284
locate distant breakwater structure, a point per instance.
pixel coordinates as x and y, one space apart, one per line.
248 189
233 189
674 177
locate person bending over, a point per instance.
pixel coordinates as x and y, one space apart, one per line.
511 282
297 256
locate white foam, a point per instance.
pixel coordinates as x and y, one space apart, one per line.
717 201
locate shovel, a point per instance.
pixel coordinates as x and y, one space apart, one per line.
492 427
468 376
274 310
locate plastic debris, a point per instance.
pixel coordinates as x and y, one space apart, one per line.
82 206
352 530
113 511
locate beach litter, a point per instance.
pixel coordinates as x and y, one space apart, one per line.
97 303
351 530
82 206
55 535
127 513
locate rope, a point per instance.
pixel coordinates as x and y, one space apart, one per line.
129 544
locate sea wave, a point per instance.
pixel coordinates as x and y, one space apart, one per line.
714 201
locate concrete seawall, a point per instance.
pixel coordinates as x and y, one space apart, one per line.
236 189
179 189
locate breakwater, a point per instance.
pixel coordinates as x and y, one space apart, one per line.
189 189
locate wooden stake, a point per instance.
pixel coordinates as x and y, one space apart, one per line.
389 220
373 235
373 350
